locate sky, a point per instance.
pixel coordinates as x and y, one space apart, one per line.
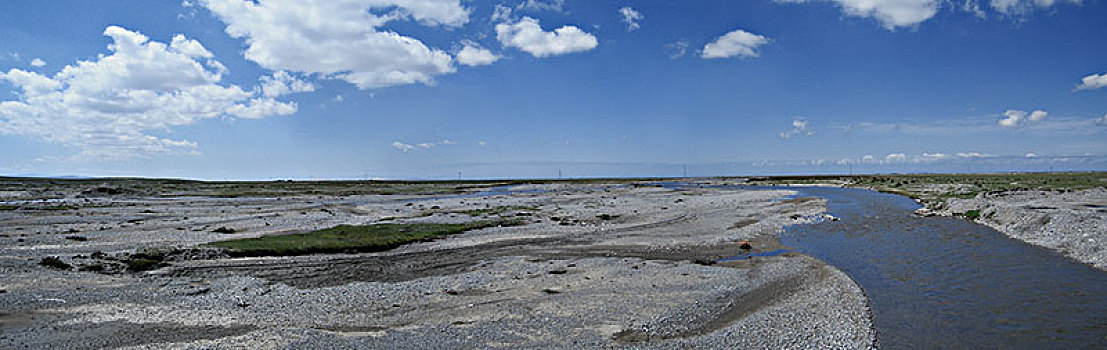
442 89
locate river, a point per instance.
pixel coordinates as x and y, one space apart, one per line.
940 282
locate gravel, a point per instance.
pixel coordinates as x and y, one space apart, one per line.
615 269
1073 223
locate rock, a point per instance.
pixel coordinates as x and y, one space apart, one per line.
558 272
224 230
745 245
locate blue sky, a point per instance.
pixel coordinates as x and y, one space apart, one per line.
424 89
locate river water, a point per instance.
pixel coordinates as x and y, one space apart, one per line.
939 282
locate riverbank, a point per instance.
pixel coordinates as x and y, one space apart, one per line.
1073 223
593 264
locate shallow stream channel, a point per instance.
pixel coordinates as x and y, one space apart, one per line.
940 282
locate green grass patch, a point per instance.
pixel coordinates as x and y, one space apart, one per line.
971 214
349 238
9 207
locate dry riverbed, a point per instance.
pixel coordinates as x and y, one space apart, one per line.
583 265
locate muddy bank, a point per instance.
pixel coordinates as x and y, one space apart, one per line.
1073 223
595 265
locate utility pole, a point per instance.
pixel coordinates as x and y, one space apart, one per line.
558 173
459 175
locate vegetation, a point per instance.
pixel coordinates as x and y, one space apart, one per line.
499 210
971 214
349 238
55 263
47 188
138 264
933 189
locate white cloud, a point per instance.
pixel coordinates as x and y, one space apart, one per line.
37 62
868 159
282 83
1016 118
973 7
1093 81
1031 155
106 106
342 39
189 47
631 18
890 13
931 157
474 55
972 155
482 143
539 5
799 127
1101 120
501 13
677 49
403 147
528 36
895 158
1019 7
736 43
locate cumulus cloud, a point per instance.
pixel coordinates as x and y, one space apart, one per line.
1019 7
890 13
105 107
342 39
631 18
527 35
1093 81
37 62
1102 121
736 43
283 83
472 54
799 127
895 158
1016 118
